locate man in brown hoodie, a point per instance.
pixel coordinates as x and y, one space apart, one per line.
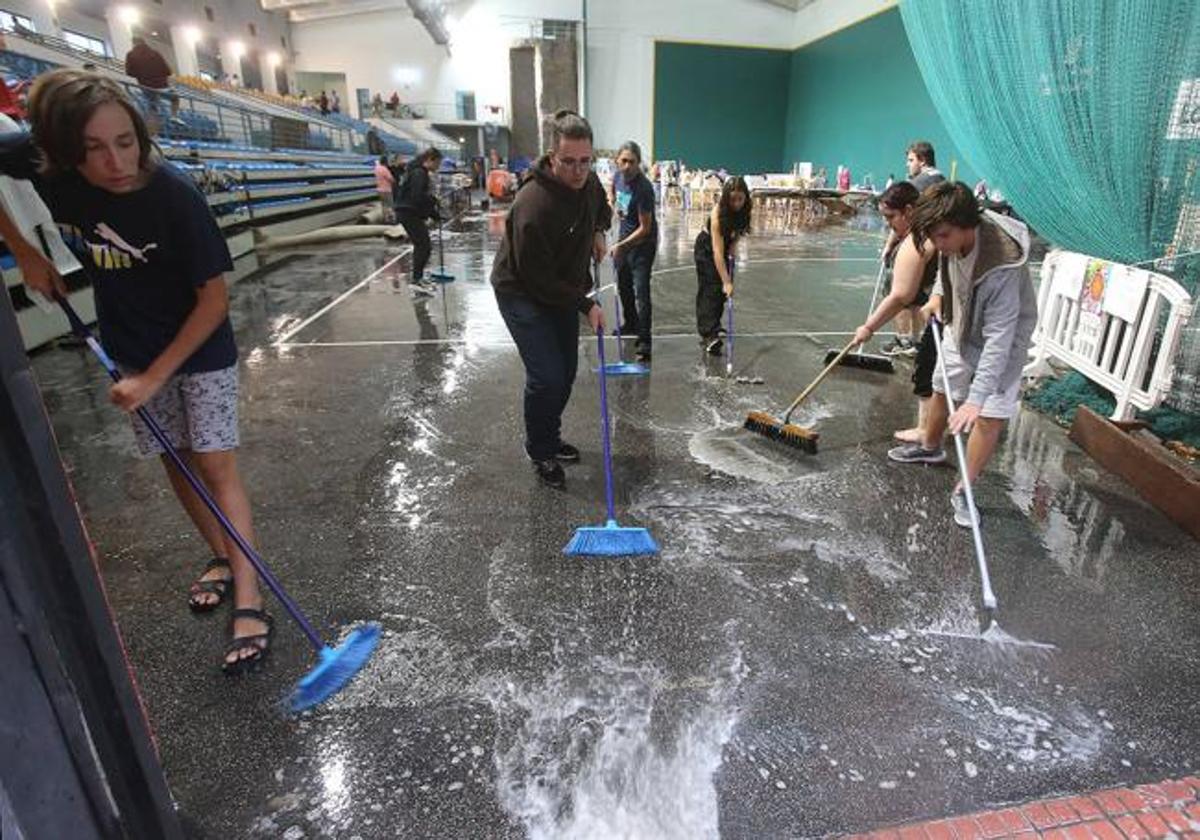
542 278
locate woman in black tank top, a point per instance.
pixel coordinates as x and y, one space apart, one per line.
728 223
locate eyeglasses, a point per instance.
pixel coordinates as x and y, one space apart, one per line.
575 163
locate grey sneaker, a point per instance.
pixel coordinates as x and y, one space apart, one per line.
962 511
893 348
915 453
422 288
907 347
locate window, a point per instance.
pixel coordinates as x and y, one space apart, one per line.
208 13
253 30
9 22
86 43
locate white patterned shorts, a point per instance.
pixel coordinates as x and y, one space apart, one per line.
197 411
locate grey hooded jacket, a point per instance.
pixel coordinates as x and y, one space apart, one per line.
992 313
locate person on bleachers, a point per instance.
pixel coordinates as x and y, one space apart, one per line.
394 104
323 103
157 263
377 105
415 203
335 102
152 72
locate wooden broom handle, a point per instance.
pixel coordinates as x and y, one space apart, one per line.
820 377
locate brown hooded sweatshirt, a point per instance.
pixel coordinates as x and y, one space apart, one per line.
547 249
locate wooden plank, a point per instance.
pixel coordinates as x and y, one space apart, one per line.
1158 476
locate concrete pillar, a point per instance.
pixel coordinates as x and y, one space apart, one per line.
267 62
182 41
44 15
120 31
231 61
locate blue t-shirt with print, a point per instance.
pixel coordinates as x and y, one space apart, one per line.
147 252
633 197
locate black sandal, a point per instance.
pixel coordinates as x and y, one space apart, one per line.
259 642
218 586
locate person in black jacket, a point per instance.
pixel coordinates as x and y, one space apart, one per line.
415 203
542 278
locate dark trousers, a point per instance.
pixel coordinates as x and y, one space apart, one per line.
548 340
633 284
710 296
925 363
418 235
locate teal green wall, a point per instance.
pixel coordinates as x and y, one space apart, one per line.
720 106
857 98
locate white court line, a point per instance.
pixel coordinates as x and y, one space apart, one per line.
283 339
417 342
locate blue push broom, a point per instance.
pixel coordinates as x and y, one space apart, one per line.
337 666
441 275
619 367
609 539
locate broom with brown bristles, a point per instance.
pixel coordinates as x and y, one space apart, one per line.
785 431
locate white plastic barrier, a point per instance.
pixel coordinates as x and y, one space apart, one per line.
1100 318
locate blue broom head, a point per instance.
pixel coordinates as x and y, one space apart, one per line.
440 277
625 369
336 668
610 540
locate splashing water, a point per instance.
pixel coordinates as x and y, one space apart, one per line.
582 759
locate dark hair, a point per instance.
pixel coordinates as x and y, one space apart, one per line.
633 147
946 201
734 222
62 102
899 195
923 149
383 159
569 125
432 153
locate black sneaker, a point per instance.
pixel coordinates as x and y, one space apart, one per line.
550 473
566 453
642 355
714 346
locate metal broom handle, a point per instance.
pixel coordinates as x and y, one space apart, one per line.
989 597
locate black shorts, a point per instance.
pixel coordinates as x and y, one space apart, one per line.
925 364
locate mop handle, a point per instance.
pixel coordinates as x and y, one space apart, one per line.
820 377
82 331
729 265
989 597
878 286
608 478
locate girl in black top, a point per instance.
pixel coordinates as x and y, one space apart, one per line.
415 203
156 259
725 226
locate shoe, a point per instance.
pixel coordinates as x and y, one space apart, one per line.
550 473
422 288
257 645
211 590
899 347
642 355
714 346
915 453
962 511
566 454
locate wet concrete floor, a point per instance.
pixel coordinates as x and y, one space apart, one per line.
777 672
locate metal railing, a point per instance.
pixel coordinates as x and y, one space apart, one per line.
182 114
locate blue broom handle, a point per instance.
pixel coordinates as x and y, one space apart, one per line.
82 331
608 478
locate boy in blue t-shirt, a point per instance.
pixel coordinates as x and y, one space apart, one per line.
156 259
637 242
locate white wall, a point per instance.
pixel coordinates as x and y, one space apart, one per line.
388 51
824 17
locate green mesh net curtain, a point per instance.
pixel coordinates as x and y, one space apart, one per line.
1084 113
